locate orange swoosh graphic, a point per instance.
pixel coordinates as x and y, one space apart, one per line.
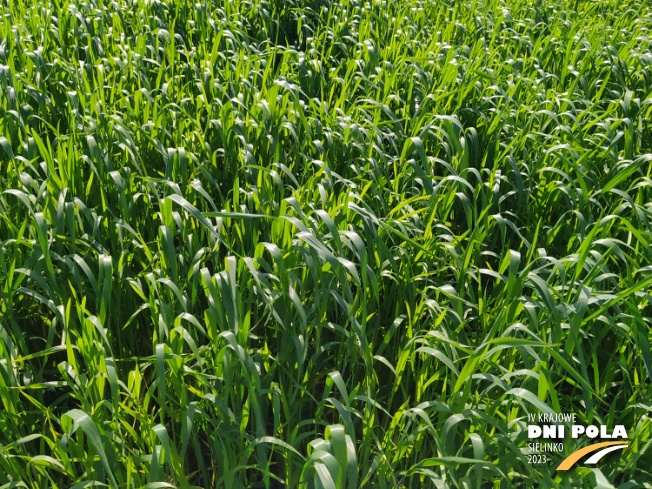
575 456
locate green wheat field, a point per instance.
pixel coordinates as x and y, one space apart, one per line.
329 244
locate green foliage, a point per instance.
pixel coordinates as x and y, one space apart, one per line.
321 244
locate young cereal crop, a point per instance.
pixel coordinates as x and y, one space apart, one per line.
330 244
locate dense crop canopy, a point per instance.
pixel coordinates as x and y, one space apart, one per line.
266 243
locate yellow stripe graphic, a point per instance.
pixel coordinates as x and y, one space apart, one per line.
575 456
